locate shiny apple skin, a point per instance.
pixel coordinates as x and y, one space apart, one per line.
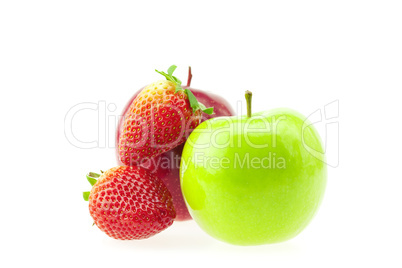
267 182
167 165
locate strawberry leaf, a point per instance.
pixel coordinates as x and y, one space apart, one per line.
192 99
91 180
209 110
206 110
171 69
86 195
91 177
197 105
168 77
94 175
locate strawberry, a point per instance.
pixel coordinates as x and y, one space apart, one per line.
129 203
160 118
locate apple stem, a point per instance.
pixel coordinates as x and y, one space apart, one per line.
248 95
190 76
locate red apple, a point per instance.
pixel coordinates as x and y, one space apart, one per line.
167 165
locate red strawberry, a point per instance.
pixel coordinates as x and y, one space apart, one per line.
167 165
159 119
129 203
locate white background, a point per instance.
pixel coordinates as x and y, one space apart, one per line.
297 54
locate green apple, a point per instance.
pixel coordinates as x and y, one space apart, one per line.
255 179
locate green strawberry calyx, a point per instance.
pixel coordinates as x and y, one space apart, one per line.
92 179
195 105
